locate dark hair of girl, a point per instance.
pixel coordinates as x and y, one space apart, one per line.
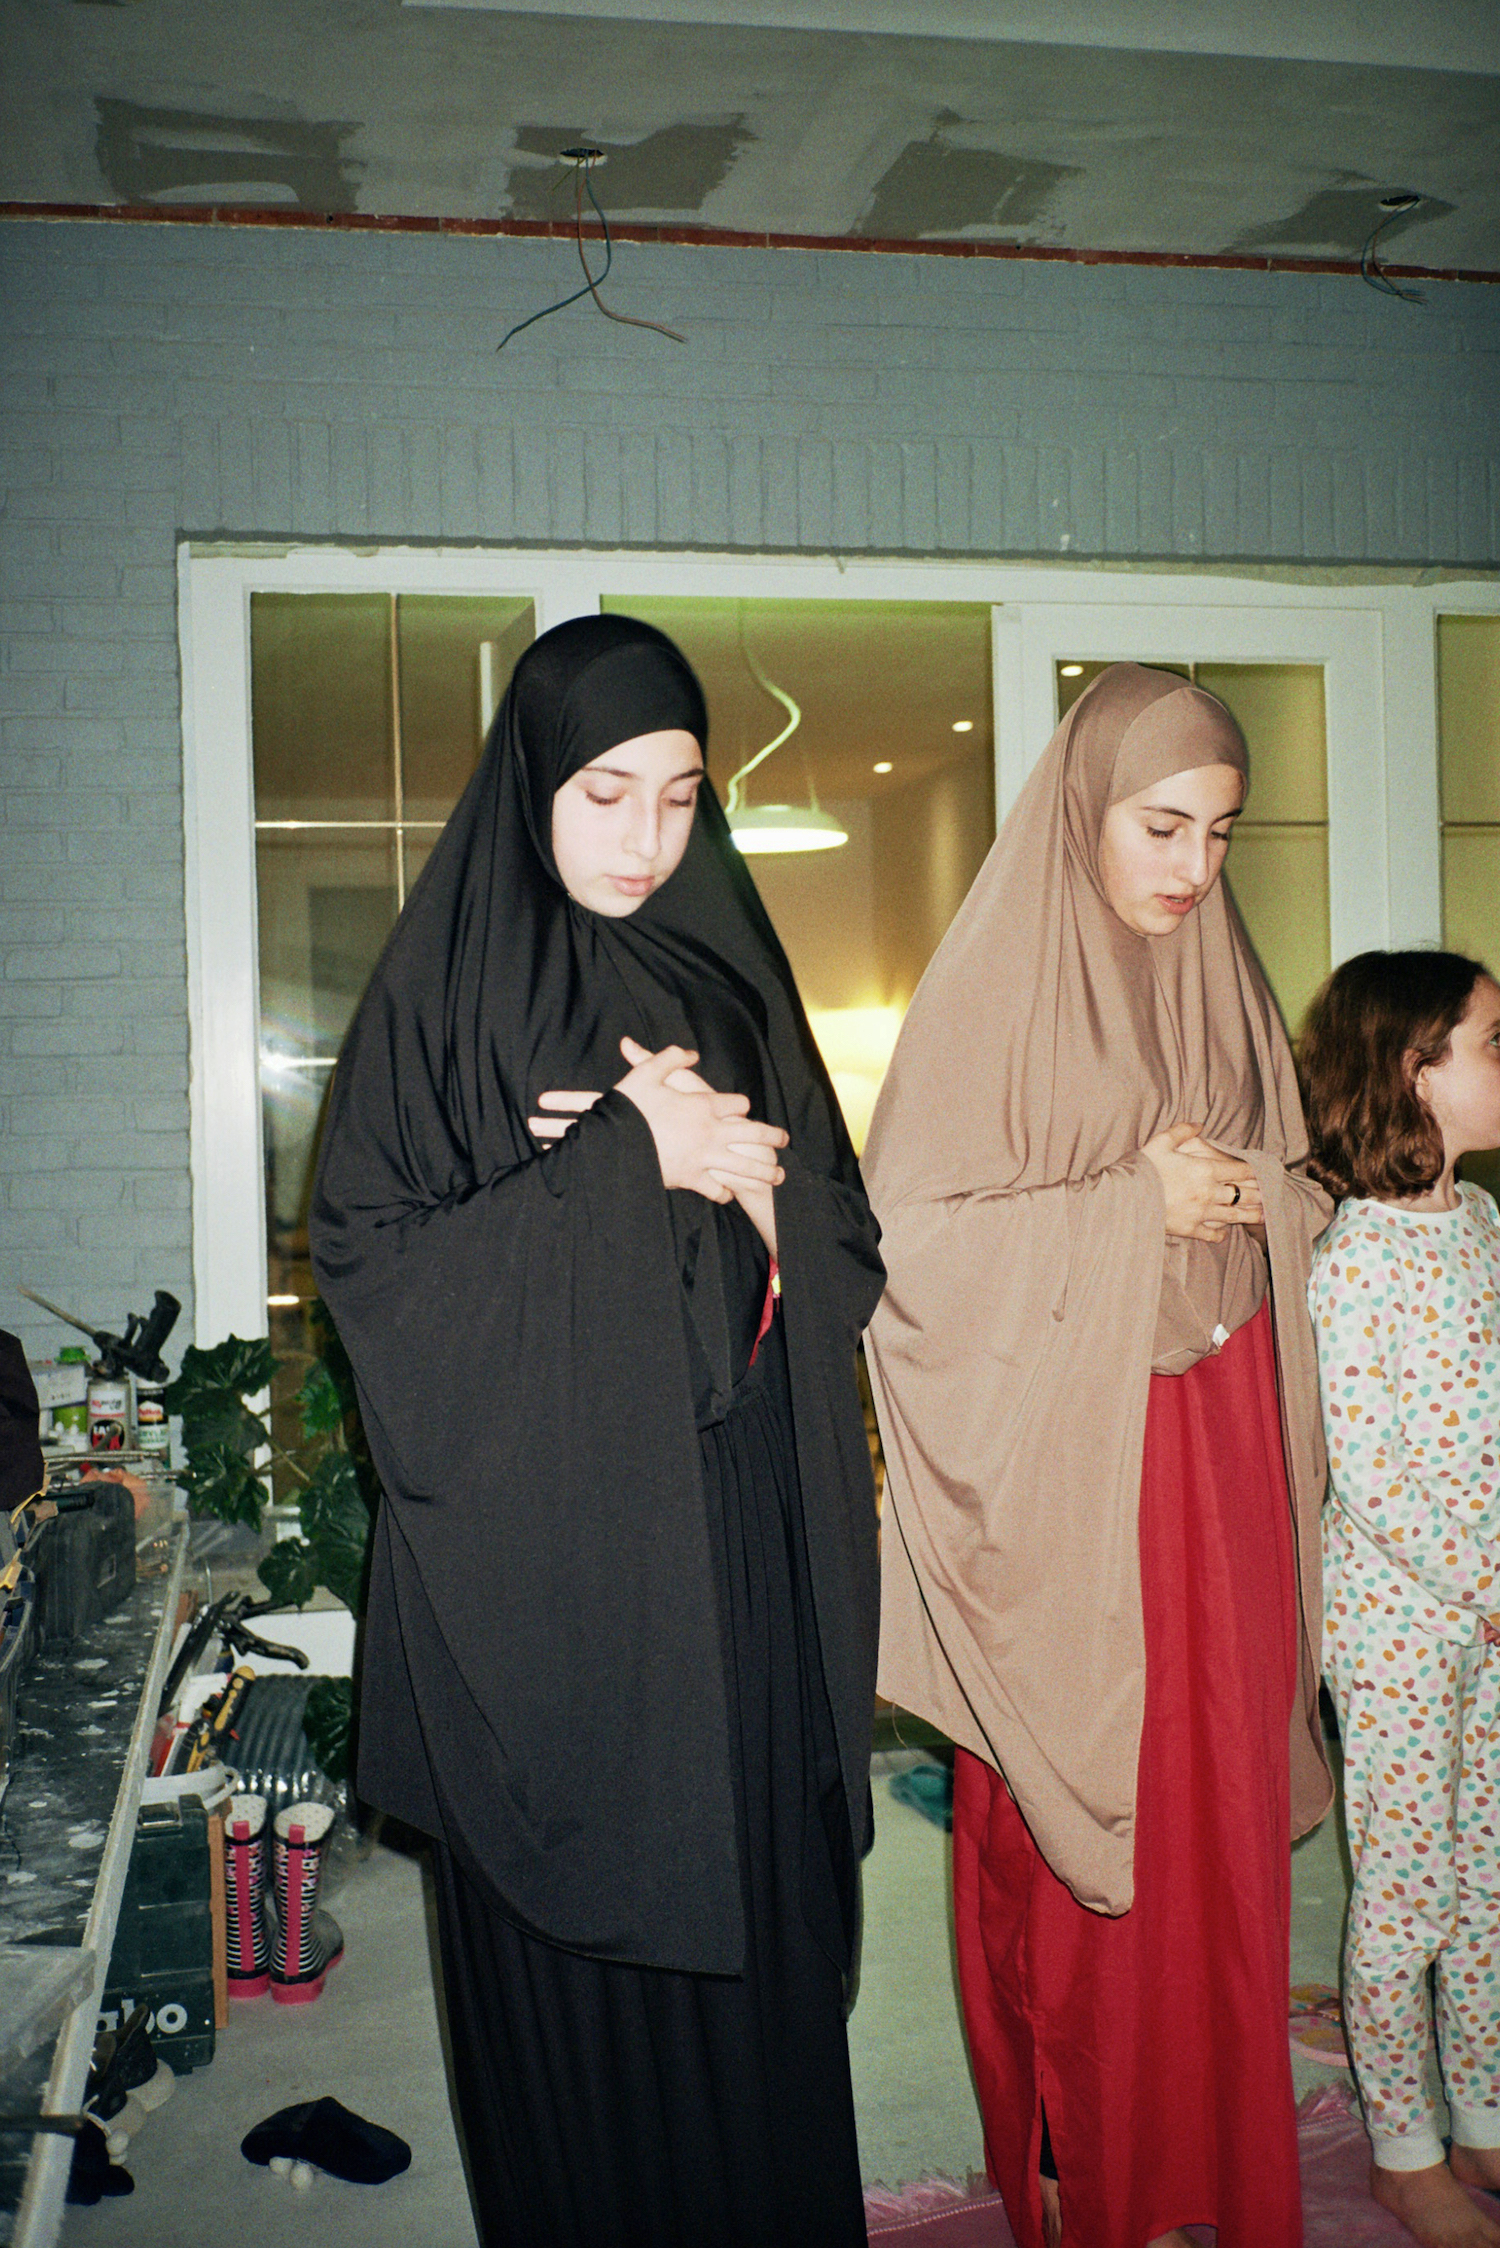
1379 1020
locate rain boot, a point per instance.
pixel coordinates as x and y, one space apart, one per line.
245 1896
307 1942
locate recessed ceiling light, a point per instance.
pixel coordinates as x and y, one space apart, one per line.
963 725
1072 670
883 767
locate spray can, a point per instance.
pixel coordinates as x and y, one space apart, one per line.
108 1412
152 1435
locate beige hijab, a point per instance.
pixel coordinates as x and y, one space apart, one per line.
1033 1289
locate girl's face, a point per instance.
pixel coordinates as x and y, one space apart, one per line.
621 825
1161 851
1462 1091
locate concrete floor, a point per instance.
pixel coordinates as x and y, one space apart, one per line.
374 2042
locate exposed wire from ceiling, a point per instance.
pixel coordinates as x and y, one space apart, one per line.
1369 269
583 161
778 694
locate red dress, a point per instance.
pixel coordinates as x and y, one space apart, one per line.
1158 2041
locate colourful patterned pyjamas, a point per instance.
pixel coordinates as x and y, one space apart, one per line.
1405 1308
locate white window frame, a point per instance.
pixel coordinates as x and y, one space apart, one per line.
1377 643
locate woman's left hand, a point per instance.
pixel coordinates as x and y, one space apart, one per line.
568 1107
756 1199
1248 1211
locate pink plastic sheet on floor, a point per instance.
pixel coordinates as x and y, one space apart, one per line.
937 2213
1336 2206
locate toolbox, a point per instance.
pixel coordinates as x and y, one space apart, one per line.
164 1942
83 1558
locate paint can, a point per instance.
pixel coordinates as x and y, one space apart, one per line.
109 1412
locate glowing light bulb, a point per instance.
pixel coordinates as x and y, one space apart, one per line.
963 725
883 767
1071 670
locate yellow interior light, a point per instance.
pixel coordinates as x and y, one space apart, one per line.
759 829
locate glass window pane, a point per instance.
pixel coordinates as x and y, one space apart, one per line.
1471 924
326 906
883 688
1471 894
1074 675
1469 717
456 656
1280 710
324 672
320 698
1279 876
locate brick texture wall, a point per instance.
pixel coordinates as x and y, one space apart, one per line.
162 381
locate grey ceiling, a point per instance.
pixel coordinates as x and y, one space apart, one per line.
458 111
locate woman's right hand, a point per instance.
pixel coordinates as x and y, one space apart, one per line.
702 1138
1198 1184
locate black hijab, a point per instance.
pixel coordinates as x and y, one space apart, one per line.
543 1675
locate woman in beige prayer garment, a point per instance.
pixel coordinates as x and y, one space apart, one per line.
1096 1386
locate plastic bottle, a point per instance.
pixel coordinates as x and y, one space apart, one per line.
70 1423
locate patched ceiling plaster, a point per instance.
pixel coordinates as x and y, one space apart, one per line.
458 111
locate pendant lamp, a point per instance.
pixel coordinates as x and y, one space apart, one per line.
759 829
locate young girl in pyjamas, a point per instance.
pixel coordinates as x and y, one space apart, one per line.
1402 1065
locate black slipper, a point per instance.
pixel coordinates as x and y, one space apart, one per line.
331 2138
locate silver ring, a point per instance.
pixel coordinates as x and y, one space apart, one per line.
1234 1198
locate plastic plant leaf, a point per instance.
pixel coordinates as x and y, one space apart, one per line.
326 1722
222 1482
211 1389
320 1402
336 1524
332 1354
289 1572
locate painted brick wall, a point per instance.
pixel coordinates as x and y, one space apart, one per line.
162 380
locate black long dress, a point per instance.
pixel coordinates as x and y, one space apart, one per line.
619 1643
679 2110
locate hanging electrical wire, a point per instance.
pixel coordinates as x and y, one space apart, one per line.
1369 269
583 161
778 694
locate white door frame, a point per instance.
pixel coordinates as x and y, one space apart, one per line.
1377 643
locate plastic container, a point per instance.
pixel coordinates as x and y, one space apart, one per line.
70 1422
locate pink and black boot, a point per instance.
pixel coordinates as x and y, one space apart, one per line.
307 1942
245 1896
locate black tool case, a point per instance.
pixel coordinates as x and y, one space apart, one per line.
164 1944
83 1558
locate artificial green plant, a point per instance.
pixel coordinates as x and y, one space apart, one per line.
233 1461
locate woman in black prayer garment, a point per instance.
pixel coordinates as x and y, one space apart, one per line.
619 1652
